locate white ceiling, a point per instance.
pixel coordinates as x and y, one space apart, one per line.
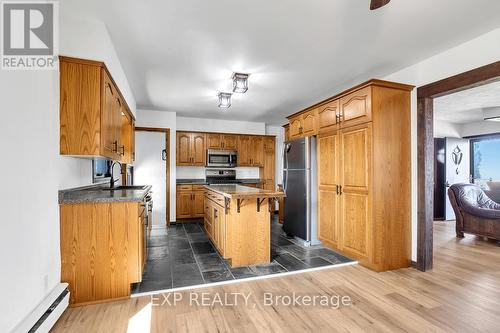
178 53
467 106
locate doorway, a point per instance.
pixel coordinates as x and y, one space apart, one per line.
425 149
152 167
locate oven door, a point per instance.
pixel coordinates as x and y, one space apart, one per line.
219 158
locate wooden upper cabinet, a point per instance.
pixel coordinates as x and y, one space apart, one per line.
328 116
309 123
191 149
198 149
304 124
184 157
128 139
108 135
91 108
356 108
222 141
229 141
295 127
257 150
214 141
244 151
287 132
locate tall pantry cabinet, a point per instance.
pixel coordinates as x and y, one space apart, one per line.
364 174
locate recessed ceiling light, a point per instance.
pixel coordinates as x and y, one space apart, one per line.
224 100
240 82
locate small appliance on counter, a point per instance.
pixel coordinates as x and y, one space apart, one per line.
299 177
222 158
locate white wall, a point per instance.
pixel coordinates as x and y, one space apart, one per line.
478 52
480 128
444 129
218 125
33 172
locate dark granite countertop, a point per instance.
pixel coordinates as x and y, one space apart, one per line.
99 194
235 191
203 181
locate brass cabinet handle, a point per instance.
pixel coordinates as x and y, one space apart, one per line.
115 146
123 150
340 190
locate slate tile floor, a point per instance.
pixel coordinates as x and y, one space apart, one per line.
182 255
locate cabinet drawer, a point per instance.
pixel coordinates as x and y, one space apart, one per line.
184 188
198 187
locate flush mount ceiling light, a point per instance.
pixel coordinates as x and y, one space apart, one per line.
240 82
224 100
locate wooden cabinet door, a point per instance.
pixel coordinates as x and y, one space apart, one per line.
355 108
184 204
355 193
327 117
257 149
287 132
309 123
127 138
216 225
198 204
117 127
328 189
296 127
268 166
141 244
184 144
198 149
244 151
108 119
229 142
214 141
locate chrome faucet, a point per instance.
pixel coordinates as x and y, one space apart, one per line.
112 181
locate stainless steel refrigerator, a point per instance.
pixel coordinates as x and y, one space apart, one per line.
300 185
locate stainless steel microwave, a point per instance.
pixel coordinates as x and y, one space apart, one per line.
222 158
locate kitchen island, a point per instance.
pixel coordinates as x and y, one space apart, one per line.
238 222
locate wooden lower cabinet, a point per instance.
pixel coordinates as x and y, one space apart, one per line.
189 202
364 180
102 250
215 222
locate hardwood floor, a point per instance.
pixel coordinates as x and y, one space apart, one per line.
462 293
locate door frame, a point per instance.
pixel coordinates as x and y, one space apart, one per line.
167 164
425 149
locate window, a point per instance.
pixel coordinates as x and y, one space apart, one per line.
485 160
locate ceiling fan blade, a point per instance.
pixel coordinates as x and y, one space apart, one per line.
376 4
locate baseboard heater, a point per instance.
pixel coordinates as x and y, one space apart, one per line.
45 315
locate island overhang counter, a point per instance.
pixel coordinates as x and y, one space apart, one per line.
238 222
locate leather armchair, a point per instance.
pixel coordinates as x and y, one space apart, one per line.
475 212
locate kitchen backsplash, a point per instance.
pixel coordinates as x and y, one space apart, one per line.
199 173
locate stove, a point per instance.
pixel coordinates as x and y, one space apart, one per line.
221 176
